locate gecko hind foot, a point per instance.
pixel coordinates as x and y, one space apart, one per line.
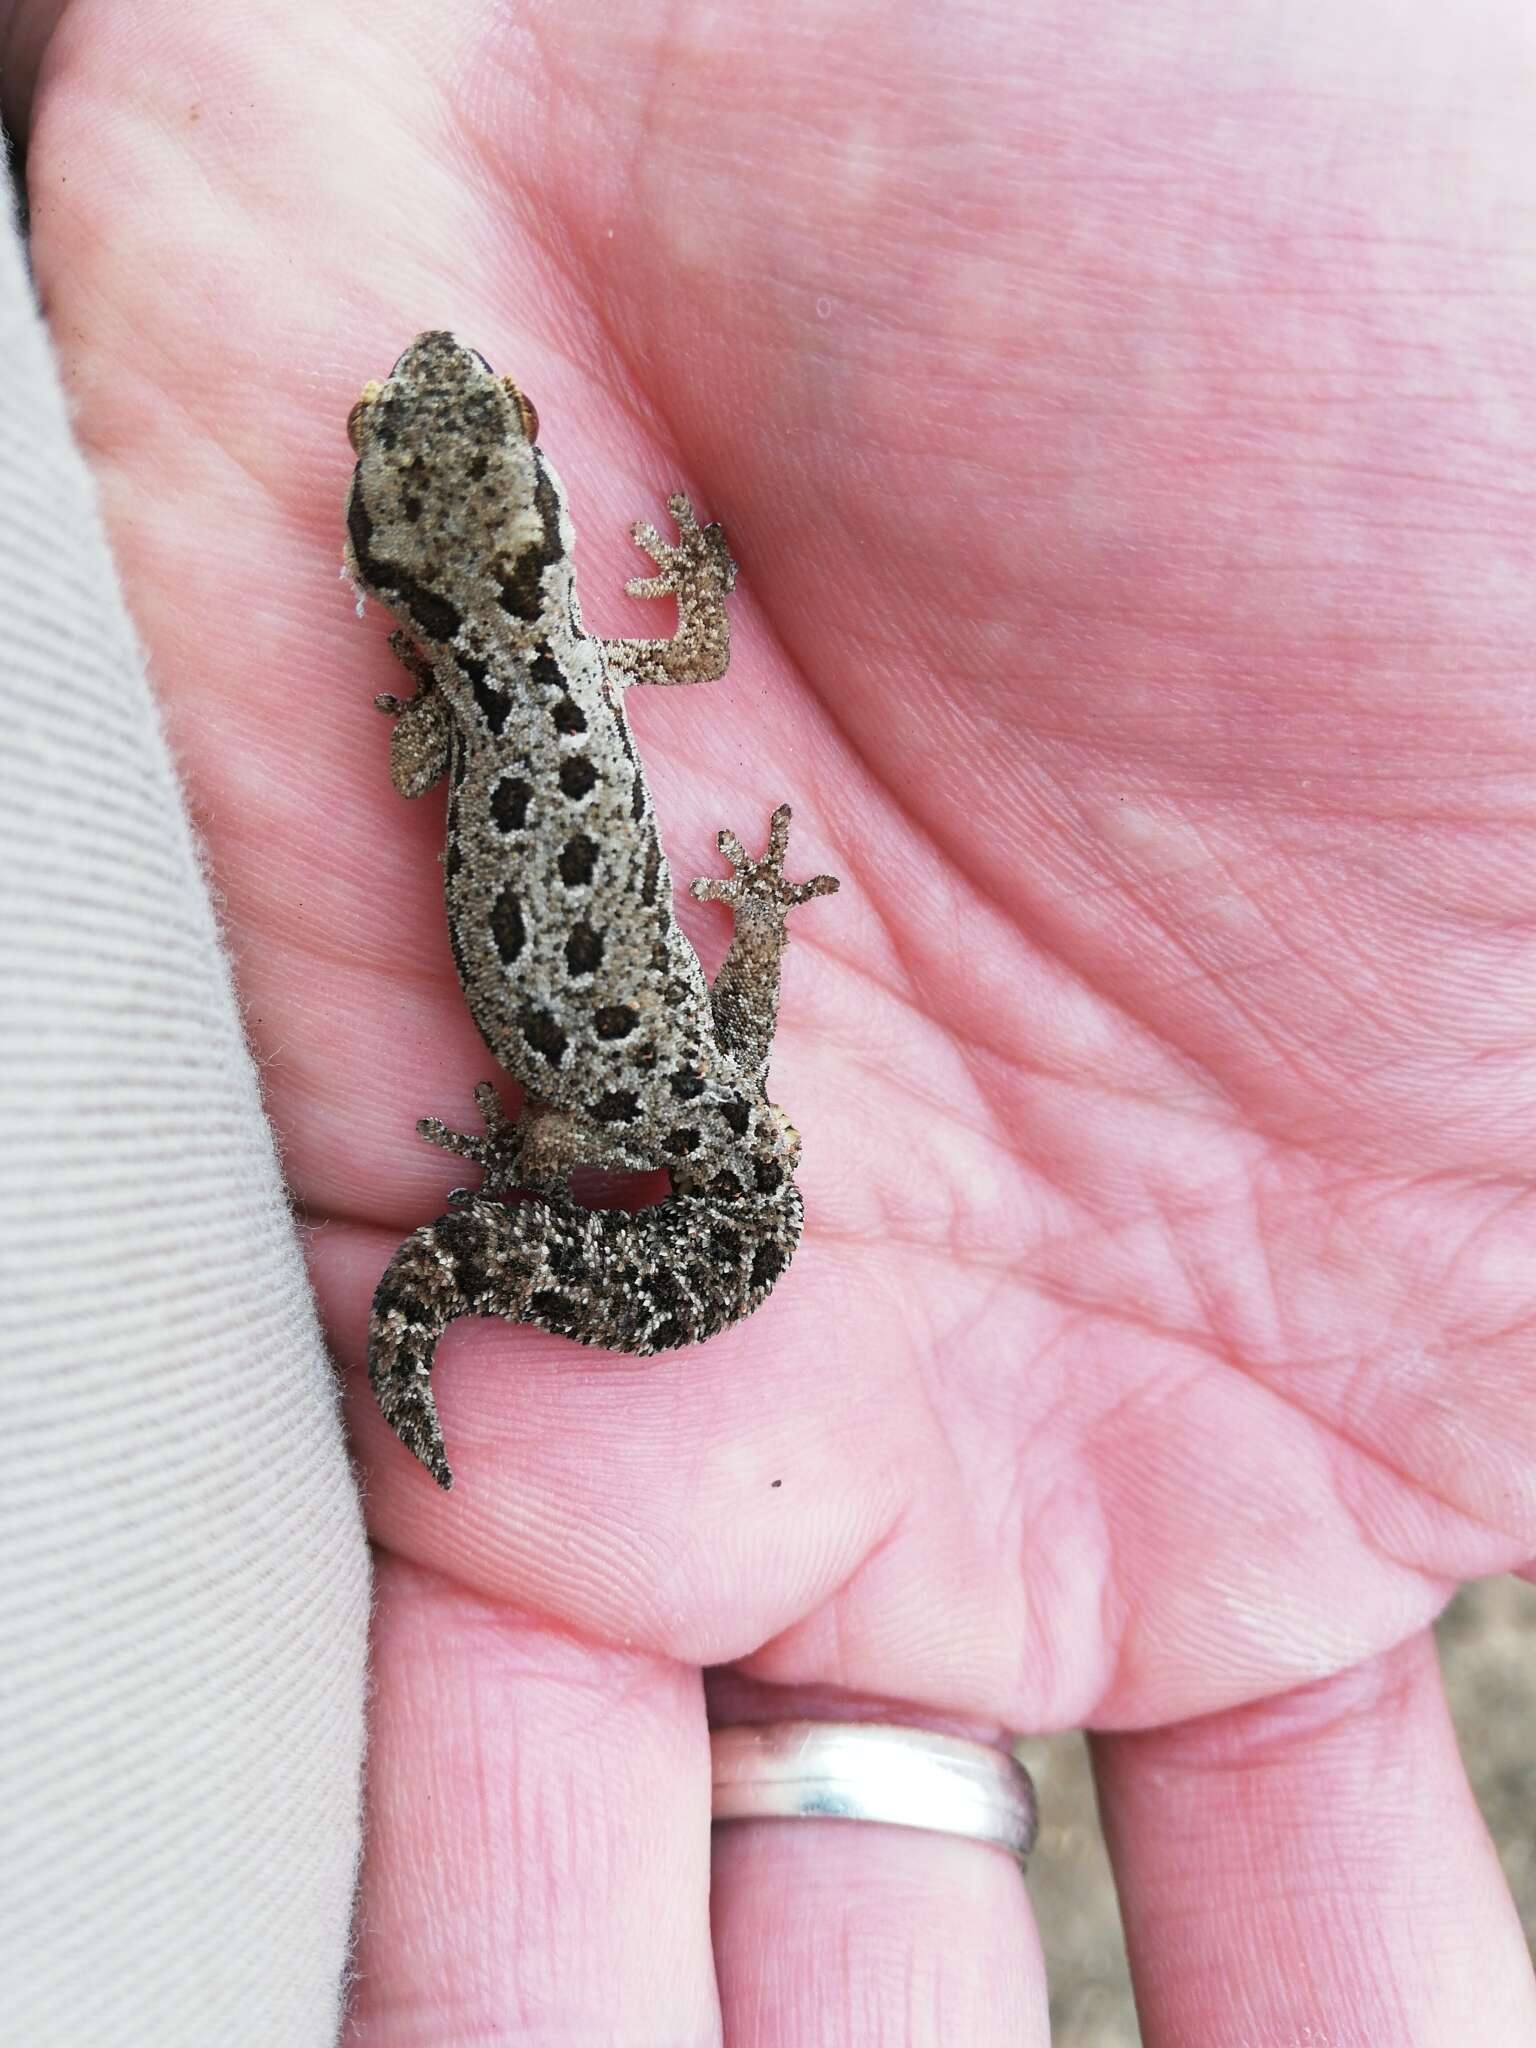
496 1153
758 889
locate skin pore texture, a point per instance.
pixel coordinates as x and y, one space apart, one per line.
1124 423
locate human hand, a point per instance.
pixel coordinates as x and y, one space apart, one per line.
1124 435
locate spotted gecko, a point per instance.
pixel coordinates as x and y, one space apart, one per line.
560 905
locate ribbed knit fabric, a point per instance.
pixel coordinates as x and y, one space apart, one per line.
183 1575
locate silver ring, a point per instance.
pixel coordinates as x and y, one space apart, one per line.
860 1770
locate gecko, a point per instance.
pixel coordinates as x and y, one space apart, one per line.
559 901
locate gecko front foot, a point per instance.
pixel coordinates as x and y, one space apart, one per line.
698 567
421 743
758 892
698 572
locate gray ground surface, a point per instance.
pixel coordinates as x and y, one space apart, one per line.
1488 1649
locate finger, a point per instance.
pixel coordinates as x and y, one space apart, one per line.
537 1862
849 1932
1314 1862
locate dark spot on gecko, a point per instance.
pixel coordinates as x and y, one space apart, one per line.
725 1242
477 470
411 507
726 1187
556 1312
455 947
433 616
681 1142
509 803
736 1114
543 1034
568 716
766 1176
495 705
546 671
637 798
668 1335
453 859
472 1273
618 1106
767 1265
459 1233
686 1084
577 776
507 927
396 1300
520 592
384 420
578 859
652 873
584 950
664 1289
615 1020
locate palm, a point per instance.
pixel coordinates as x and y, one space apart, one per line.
1161 1335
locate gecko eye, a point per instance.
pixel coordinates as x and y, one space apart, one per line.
527 412
366 397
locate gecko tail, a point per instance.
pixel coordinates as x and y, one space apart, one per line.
635 1282
466 1263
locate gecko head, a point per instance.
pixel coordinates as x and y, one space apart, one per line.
439 372
449 493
